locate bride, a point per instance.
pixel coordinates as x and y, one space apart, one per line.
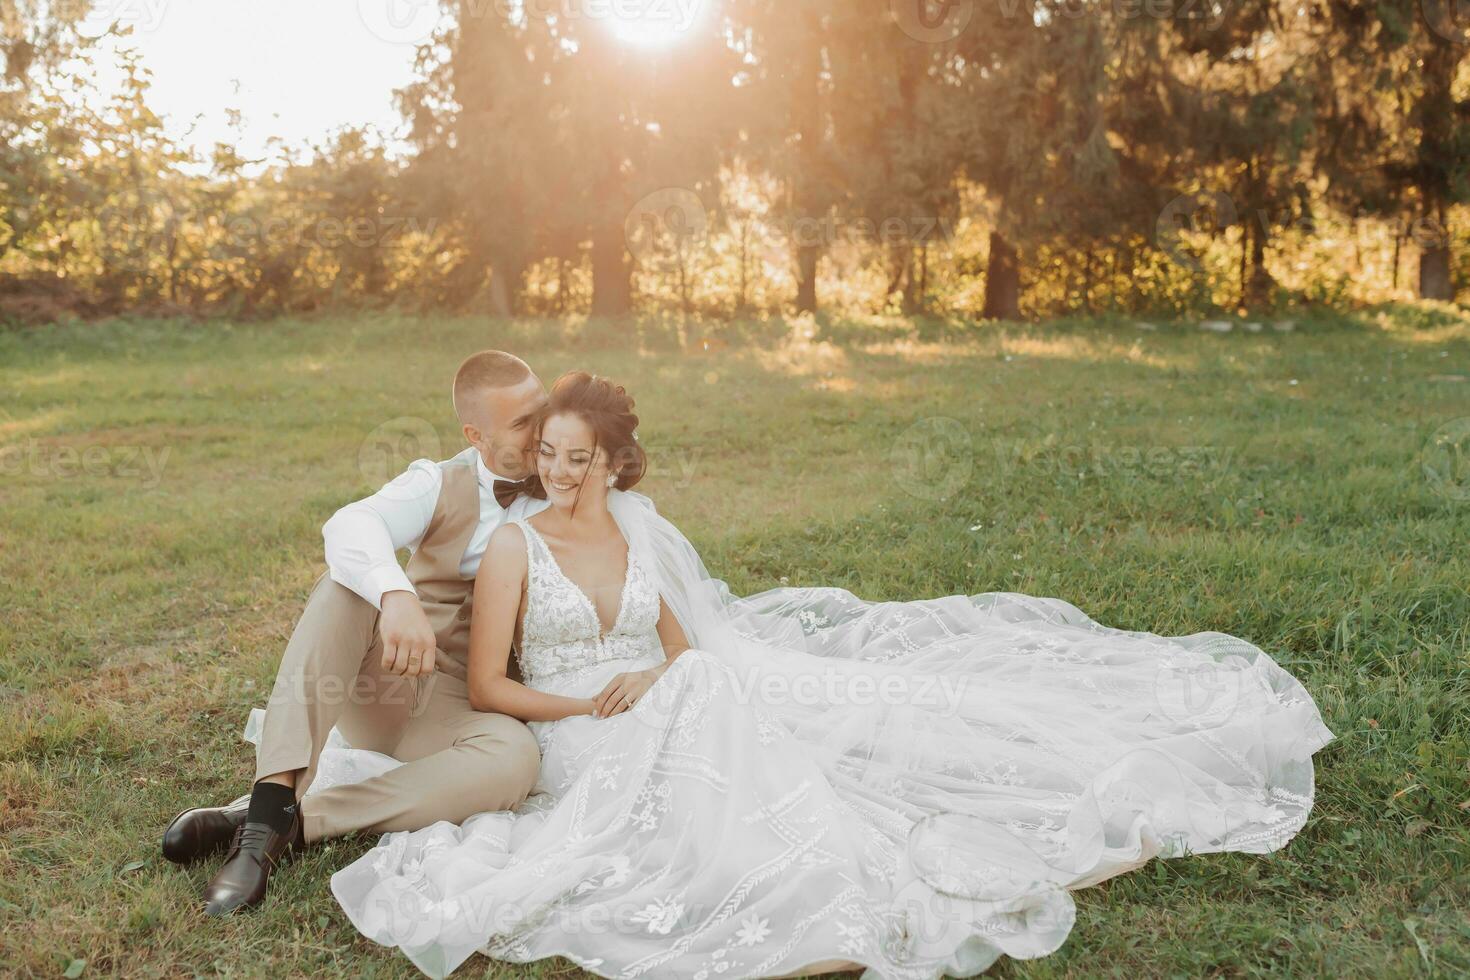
800 781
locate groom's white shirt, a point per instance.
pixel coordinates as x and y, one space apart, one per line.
364 537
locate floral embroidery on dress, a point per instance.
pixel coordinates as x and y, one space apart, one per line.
607 776
713 833
753 929
561 631
660 916
811 621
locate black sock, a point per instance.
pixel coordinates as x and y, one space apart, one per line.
273 804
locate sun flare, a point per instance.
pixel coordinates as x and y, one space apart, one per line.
654 23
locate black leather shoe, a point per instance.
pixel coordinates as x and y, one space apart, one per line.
203 831
254 853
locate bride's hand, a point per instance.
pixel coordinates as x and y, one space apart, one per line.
623 691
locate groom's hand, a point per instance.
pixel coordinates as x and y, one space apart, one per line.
408 642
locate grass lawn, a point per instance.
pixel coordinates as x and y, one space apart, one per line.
163 485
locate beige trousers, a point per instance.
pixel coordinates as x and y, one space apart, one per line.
457 761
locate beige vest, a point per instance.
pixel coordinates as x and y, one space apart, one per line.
448 598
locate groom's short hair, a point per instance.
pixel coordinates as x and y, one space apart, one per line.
487 369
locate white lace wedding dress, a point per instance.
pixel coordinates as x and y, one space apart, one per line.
908 788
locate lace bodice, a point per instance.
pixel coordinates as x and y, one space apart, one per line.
561 631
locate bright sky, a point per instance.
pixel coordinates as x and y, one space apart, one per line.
296 68
300 68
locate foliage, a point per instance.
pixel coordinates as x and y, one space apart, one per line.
1045 158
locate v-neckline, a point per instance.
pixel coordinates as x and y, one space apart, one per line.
587 599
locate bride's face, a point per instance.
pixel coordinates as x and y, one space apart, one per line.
565 462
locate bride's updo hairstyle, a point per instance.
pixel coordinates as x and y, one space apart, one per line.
607 408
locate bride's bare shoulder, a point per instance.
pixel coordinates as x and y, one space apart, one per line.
506 549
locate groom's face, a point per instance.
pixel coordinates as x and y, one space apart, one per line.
502 428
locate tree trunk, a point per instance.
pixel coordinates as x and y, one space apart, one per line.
807 117
173 259
1087 281
1434 258
806 278
1113 260
924 277
1132 290
500 294
612 285
1437 116
686 299
742 305
1260 285
1434 273
506 272
1002 281
913 291
1245 255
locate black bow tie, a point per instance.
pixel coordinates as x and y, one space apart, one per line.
506 491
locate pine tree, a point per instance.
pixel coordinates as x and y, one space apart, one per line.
1396 124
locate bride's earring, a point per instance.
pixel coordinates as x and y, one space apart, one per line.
612 481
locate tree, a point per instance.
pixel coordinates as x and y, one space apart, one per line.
1396 126
485 139
786 75
1041 80
899 125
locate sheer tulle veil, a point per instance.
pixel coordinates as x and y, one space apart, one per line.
1011 746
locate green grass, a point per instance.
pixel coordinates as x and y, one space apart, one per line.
163 484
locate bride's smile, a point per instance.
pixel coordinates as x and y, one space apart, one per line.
566 457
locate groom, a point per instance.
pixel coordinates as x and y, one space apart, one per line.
382 653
